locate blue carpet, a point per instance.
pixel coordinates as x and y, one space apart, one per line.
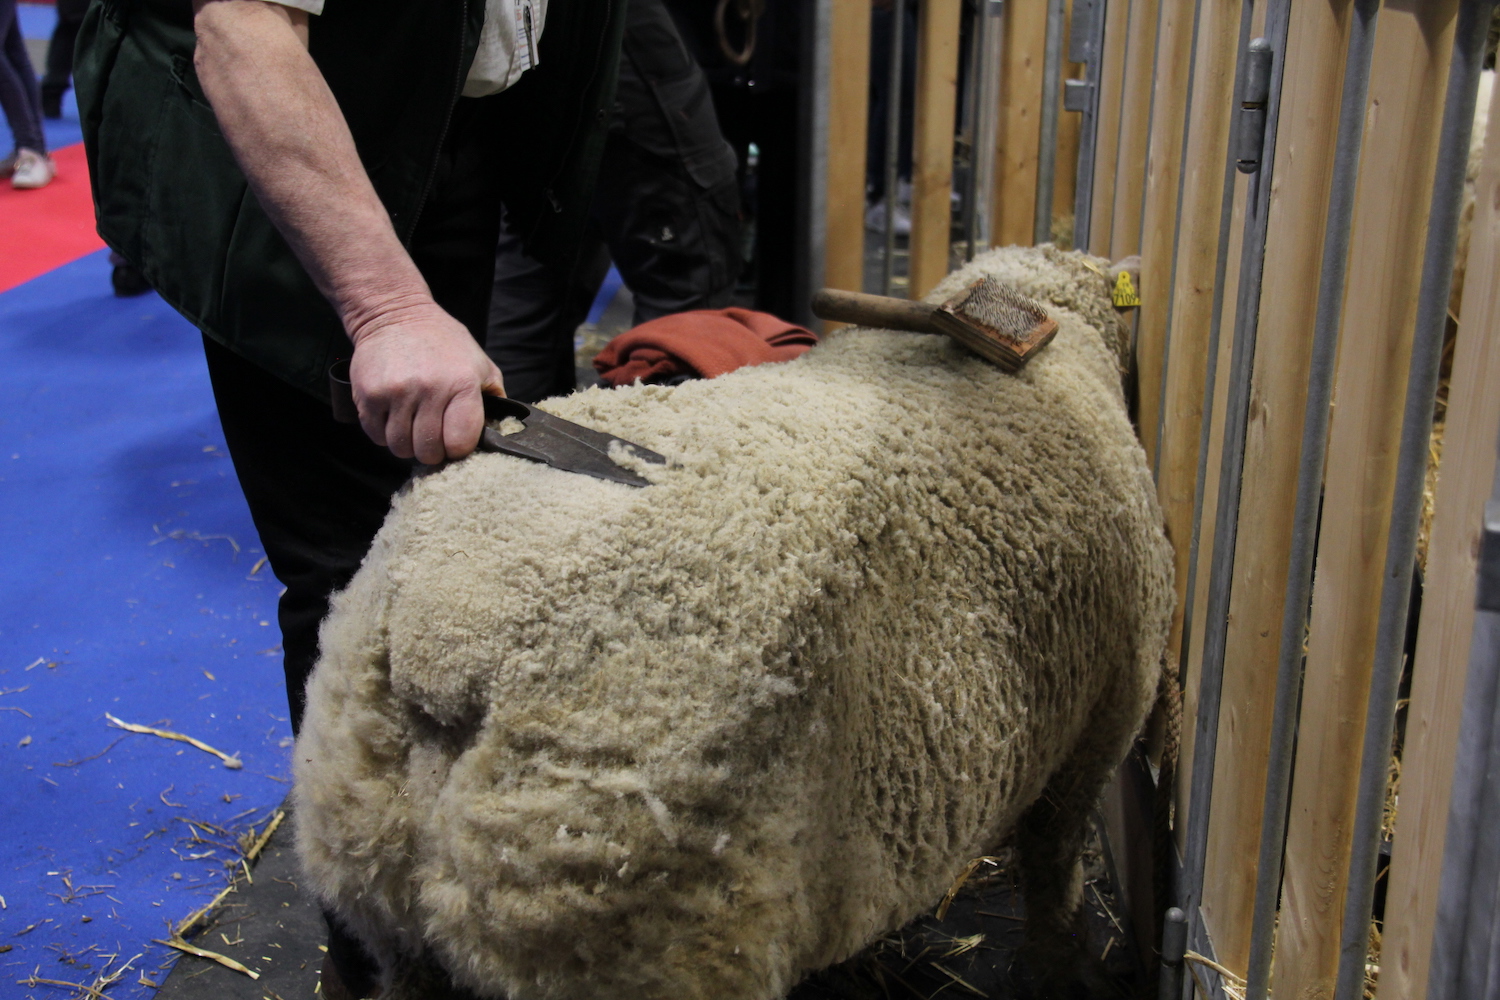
131 587
607 292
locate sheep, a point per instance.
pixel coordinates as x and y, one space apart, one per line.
886 607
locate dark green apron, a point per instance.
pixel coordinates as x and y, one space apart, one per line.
170 197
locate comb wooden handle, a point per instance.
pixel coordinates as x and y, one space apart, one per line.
875 310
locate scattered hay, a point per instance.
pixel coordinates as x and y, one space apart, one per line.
1234 986
96 989
85 760
233 763
249 846
963 877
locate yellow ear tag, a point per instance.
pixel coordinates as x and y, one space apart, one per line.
1125 295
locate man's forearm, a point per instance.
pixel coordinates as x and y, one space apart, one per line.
291 140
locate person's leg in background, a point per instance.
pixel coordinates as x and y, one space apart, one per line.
60 55
318 490
21 101
669 208
534 312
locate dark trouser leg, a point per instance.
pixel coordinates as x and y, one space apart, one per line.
667 206
319 490
533 313
668 199
19 96
60 49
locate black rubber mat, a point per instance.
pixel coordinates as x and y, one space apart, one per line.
272 927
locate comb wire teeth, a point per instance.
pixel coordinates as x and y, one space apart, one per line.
1003 309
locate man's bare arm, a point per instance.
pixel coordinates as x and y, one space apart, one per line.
417 372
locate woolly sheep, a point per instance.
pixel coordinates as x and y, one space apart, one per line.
886 607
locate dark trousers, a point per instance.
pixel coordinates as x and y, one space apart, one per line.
60 48
666 210
20 97
318 490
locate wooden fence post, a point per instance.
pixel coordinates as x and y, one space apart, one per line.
1107 130
1412 50
932 162
1135 128
848 104
1019 135
1174 52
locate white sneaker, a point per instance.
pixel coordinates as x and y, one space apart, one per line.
33 170
875 218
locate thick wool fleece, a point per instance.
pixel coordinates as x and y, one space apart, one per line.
580 740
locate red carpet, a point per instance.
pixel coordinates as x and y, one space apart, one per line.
50 227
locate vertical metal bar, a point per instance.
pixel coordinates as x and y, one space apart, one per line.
1088 43
1210 383
1236 419
991 29
893 143
1463 946
1046 169
1173 947
971 126
816 20
1411 474
1209 682
1316 414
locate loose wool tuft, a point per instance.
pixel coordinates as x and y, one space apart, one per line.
573 739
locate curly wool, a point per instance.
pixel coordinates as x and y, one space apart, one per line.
575 739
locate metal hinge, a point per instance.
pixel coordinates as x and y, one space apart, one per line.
1252 117
1076 95
1487 586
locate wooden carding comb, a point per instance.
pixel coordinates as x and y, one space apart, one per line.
989 317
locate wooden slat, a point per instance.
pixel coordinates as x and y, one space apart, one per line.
843 260
1018 137
1174 47
1442 657
1107 131
1192 293
1135 125
932 165
1413 44
1311 83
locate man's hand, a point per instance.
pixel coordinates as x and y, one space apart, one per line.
417 372
417 376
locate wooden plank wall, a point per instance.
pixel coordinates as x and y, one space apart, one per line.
1107 144
1024 39
843 257
1192 294
1311 84
1413 45
1135 128
1174 53
1441 664
932 155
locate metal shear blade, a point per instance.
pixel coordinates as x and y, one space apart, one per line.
560 443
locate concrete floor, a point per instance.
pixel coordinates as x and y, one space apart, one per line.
272 926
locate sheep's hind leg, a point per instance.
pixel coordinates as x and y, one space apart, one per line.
1050 839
